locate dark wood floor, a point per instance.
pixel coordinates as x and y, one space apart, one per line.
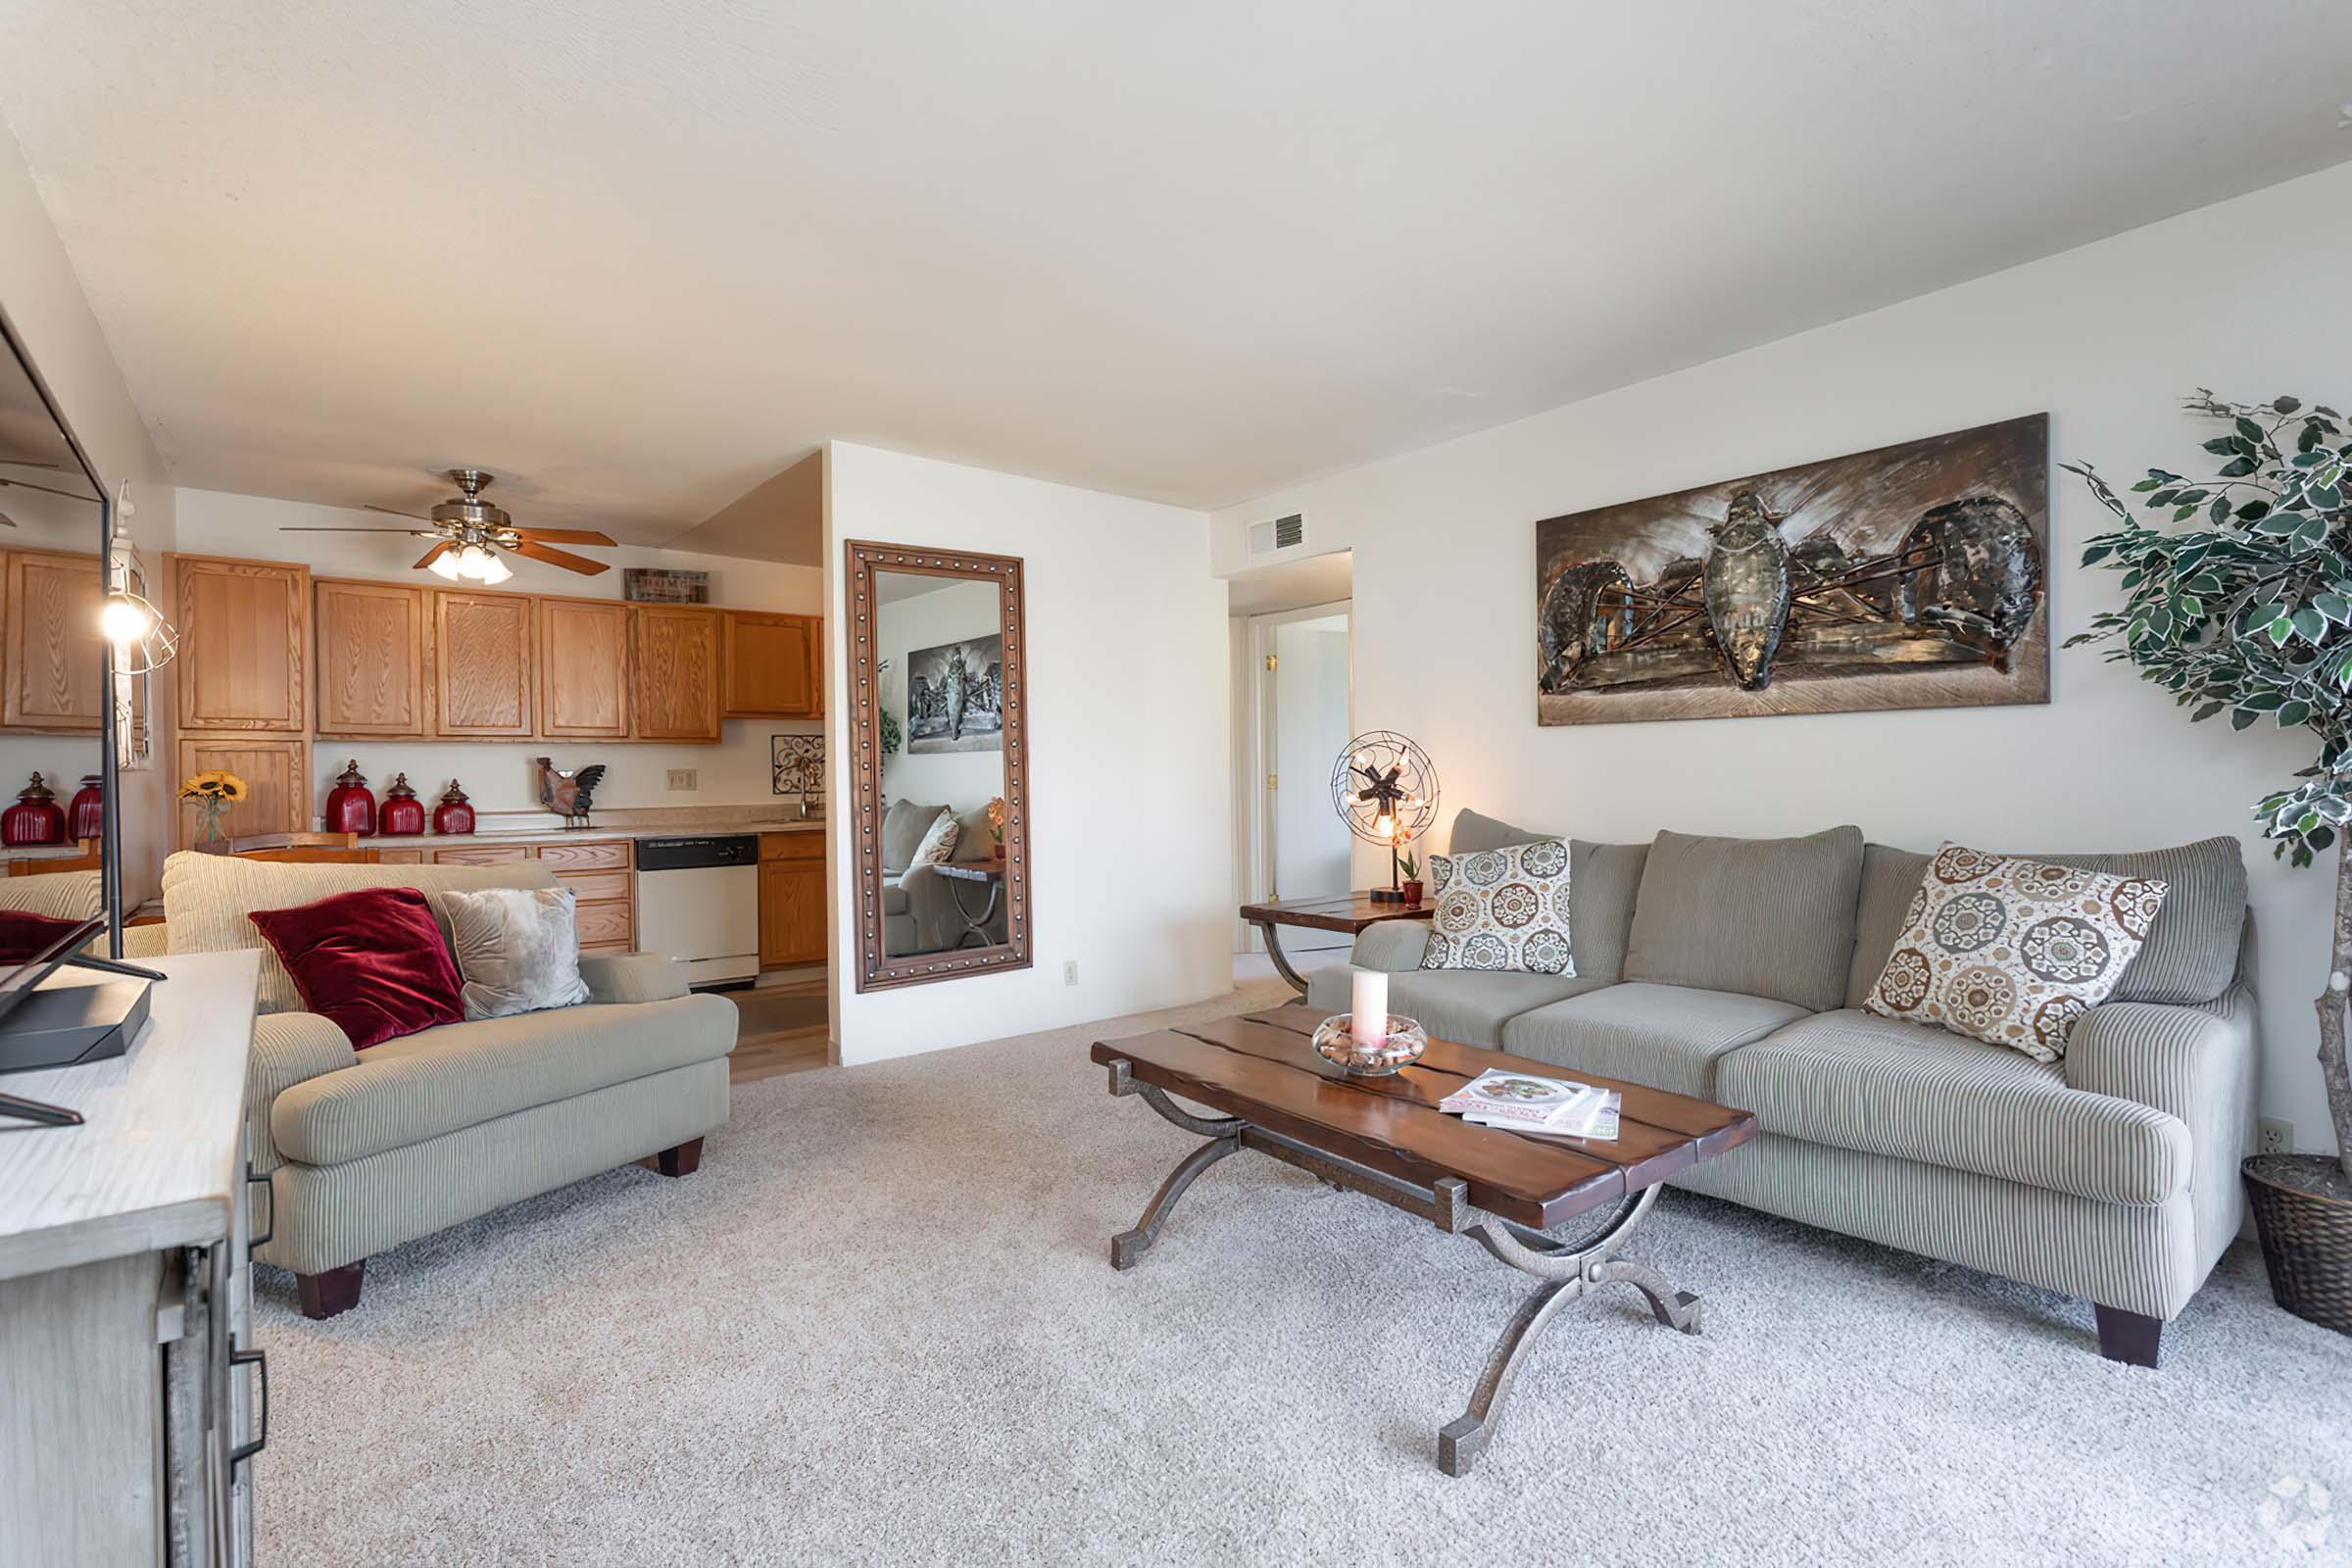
782 1030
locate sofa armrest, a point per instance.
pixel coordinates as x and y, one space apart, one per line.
1392 945
632 976
2197 1064
288 1048
143 941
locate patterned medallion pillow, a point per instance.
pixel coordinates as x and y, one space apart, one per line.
1503 908
2011 950
939 840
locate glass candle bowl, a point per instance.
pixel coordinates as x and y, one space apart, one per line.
1336 1042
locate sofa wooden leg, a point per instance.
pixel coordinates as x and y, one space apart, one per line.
2128 1337
681 1160
335 1290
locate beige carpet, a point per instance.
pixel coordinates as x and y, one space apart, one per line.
879 1327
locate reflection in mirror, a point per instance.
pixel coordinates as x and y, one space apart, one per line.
941 827
52 670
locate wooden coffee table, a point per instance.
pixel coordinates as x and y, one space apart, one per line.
1324 911
1385 1138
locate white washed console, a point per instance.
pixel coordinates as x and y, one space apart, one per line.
131 1396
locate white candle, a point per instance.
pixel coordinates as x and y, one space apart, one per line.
1368 1023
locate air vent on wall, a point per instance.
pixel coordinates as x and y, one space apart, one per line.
1281 534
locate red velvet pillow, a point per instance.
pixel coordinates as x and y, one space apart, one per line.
23 933
372 961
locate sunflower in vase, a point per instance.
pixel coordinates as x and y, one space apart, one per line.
214 792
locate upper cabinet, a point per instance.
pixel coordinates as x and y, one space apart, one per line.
583 668
371 660
772 666
251 620
53 657
676 665
482 648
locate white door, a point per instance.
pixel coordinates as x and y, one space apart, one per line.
1305 704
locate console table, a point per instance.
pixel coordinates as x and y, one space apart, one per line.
1329 912
124 1294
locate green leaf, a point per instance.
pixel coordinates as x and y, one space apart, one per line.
2193 496
2184 512
2309 439
2281 522
2325 497
2147 484
2163 498
2242 719
2310 623
2220 511
2097 554
2226 446
2335 607
2293 713
2188 607
2205 712
2238 467
2253 510
2262 702
2320 837
2249 429
2279 631
2285 404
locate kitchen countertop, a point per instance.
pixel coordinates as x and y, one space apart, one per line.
587 835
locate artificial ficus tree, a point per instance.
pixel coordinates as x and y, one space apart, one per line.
2239 601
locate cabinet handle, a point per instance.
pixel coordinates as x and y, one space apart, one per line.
262 1182
254 1358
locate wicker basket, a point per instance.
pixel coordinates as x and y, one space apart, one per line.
2303 1213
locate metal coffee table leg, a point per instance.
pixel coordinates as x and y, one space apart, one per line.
1568 1270
1128 1247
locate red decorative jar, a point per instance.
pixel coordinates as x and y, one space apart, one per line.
350 808
35 818
404 814
455 814
85 818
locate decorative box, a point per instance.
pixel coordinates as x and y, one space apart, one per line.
402 815
350 808
455 814
35 818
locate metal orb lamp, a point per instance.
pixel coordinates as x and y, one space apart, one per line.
1385 789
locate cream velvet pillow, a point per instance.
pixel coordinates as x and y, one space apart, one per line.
2012 952
517 950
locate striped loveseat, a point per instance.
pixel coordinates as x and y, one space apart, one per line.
1737 970
364 1150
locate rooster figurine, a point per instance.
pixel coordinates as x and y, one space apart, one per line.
567 795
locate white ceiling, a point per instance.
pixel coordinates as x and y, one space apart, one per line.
637 259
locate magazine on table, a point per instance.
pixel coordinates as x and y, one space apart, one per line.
1526 1103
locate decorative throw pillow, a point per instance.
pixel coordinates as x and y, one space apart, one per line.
371 961
939 840
2011 950
517 948
1504 909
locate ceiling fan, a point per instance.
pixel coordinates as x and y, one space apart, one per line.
468 532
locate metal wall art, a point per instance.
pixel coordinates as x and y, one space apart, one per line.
1909 576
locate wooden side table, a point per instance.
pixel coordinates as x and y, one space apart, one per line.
1330 911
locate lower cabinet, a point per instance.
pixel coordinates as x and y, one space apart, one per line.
792 899
278 783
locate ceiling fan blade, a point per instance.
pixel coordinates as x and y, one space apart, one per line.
567 536
395 512
433 555
417 533
560 558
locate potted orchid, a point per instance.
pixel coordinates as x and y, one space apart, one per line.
995 829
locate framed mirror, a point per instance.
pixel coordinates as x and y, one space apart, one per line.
58 837
939 762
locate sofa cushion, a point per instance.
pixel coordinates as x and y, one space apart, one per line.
2190 953
1667 1037
208 900
371 961
1772 918
1604 879
1883 1086
423 1085
1468 1006
60 895
1502 910
904 825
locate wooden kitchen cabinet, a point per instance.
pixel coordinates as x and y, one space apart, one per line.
583 668
771 666
677 672
244 629
482 664
53 657
278 783
792 899
371 660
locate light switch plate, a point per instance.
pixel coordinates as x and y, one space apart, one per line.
681 778
1069 972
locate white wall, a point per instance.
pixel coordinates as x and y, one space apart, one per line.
2246 297
1128 742
45 306
962 781
497 774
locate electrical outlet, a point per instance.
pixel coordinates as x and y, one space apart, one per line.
681 778
2274 1136
1069 972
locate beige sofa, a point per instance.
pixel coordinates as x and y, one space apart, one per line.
364 1150
921 910
1736 970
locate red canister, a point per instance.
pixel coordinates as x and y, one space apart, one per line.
85 818
404 813
35 818
455 814
350 808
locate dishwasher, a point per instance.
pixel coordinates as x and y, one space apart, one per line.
698 901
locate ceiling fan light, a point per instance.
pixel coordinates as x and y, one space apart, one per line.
493 570
445 565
